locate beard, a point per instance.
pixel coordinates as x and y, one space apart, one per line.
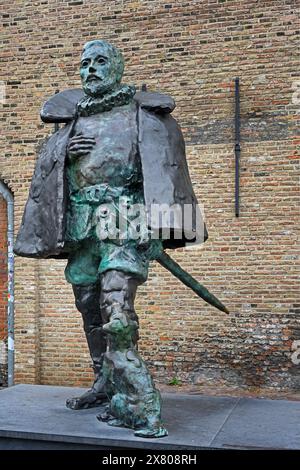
98 87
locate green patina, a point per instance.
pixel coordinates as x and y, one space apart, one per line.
105 207
134 400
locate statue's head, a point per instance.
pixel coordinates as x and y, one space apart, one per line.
101 68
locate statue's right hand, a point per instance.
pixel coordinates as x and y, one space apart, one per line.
80 145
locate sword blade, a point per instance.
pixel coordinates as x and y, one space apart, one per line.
167 262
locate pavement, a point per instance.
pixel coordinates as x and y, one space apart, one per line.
35 417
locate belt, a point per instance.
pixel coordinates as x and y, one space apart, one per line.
98 193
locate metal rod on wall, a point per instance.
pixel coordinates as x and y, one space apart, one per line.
237 147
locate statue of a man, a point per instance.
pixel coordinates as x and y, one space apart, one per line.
118 148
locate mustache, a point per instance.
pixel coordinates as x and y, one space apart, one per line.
92 77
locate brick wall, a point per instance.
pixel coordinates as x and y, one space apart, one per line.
3 290
191 50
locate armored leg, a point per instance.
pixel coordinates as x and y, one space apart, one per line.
134 400
87 302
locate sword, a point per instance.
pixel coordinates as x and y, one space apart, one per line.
167 262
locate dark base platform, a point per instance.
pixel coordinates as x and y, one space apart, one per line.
35 417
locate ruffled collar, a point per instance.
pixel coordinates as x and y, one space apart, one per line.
119 97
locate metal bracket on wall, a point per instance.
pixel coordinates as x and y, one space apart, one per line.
56 125
237 147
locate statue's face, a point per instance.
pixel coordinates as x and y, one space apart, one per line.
98 70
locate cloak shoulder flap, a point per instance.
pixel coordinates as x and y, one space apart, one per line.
61 107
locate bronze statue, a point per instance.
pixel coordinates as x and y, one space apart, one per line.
119 149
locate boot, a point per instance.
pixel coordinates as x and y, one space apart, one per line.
87 302
119 288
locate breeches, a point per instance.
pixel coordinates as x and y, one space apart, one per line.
92 258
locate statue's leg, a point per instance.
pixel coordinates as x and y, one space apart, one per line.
82 273
118 287
135 403
87 302
134 400
118 291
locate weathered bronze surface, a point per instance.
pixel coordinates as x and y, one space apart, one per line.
134 400
119 148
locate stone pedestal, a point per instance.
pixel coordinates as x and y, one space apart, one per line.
35 417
